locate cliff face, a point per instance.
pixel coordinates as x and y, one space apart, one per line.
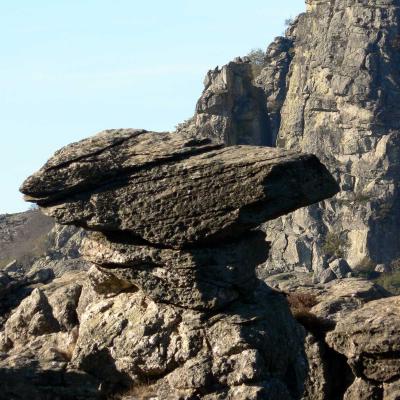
342 103
241 102
331 88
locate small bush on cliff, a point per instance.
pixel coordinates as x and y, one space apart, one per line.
300 304
289 21
257 56
185 124
335 245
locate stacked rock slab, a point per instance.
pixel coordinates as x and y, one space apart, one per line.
173 308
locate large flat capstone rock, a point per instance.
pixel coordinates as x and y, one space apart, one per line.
172 191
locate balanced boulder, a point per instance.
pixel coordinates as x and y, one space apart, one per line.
172 307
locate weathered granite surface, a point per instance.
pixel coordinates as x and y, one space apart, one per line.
200 278
369 338
331 314
168 190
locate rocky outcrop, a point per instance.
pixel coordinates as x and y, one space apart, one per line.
369 338
172 307
323 310
342 104
37 341
52 254
330 88
241 102
232 109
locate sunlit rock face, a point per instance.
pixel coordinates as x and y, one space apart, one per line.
342 104
171 306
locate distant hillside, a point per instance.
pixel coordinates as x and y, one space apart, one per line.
23 236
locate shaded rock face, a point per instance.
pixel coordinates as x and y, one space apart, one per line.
200 278
331 89
171 305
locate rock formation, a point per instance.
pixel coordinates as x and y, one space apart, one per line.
172 306
101 184
369 338
342 104
330 88
232 110
43 251
352 337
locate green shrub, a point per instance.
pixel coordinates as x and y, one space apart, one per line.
396 42
335 245
390 281
257 56
360 197
365 268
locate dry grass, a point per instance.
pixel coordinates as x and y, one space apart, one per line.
301 301
138 392
300 304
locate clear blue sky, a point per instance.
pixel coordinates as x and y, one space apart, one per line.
71 68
